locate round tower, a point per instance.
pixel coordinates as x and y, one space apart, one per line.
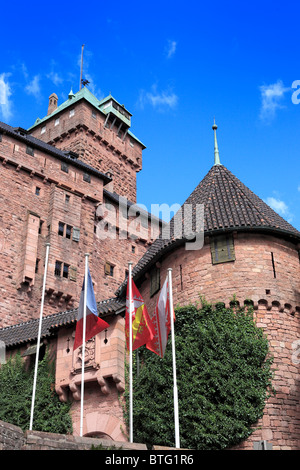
251 254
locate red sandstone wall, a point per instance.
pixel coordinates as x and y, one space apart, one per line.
277 310
98 146
21 244
104 380
250 276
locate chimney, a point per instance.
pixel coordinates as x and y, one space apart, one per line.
52 103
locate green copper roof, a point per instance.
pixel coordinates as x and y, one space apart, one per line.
106 105
217 156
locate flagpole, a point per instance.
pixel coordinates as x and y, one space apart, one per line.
83 340
130 353
175 391
39 337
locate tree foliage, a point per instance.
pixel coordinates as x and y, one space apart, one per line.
223 375
16 386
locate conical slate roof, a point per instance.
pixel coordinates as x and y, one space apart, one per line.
228 206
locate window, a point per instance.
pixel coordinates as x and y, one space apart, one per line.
68 231
67 198
37 191
61 229
94 114
29 151
86 177
57 270
43 130
41 226
132 249
109 269
37 266
72 112
222 249
66 271
61 269
154 281
273 264
65 167
56 122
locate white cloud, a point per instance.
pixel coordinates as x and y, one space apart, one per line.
159 100
33 88
5 93
171 48
280 207
55 78
271 99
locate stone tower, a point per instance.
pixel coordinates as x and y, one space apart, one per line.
98 132
249 253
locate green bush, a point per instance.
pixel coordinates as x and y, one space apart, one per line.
16 385
223 377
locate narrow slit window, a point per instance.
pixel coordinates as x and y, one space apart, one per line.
273 264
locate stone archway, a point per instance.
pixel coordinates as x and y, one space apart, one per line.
97 424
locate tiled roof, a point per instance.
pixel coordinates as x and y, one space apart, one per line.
228 205
22 135
28 331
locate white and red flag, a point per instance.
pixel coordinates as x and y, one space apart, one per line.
94 324
161 322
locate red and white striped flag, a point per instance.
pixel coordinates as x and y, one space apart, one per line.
161 322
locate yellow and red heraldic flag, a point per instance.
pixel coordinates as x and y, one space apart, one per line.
141 324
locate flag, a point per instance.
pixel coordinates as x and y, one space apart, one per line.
161 322
141 325
94 324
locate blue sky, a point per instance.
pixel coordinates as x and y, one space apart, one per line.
175 65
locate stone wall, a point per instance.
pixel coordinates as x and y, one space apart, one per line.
41 204
275 292
13 438
97 145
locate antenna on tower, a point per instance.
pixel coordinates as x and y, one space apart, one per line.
82 47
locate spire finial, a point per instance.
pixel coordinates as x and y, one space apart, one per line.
71 94
217 156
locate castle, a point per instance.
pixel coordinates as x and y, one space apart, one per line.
74 171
